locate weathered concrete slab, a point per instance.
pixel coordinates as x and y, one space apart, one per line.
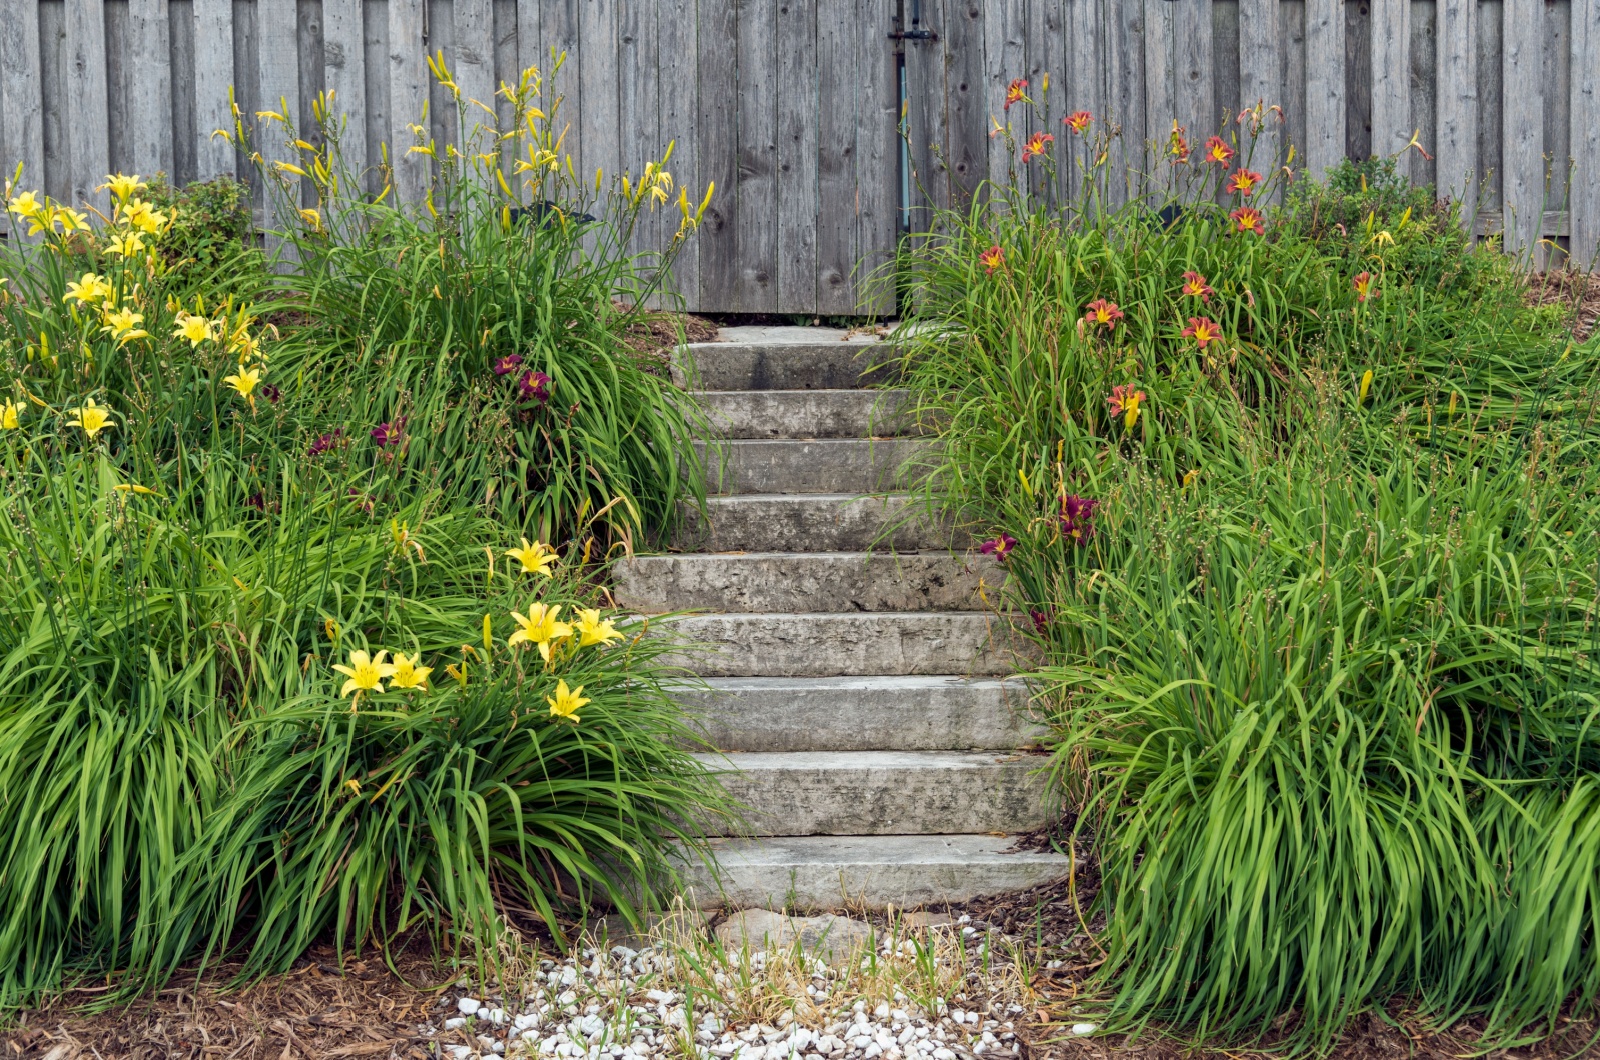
808 413
819 522
834 465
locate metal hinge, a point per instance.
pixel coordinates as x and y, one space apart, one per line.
913 34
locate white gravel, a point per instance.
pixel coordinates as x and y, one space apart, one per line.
627 1004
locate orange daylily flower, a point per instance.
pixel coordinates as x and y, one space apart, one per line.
1104 313
1036 145
1218 151
992 259
1203 330
1178 145
1366 286
1246 219
1078 121
1244 181
1195 286
1017 92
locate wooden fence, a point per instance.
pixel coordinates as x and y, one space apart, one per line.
792 106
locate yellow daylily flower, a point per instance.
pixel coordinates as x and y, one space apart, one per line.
536 558
126 245
134 487
593 630
366 674
245 382
1366 385
10 416
141 215
26 204
123 325
407 674
91 417
566 702
122 185
539 628
195 328
71 220
88 290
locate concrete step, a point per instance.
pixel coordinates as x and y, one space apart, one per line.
807 581
808 873
833 645
884 792
862 713
798 364
808 413
824 466
818 522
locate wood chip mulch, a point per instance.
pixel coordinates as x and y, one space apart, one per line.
316 1010
1579 291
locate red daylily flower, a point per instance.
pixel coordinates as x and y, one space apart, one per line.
1366 286
1036 145
534 386
1078 121
1244 182
1104 313
1077 518
1248 219
1203 330
507 364
999 547
1195 286
1041 620
1017 92
992 259
1218 151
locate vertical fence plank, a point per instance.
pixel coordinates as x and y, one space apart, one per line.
1522 161
1357 81
213 78
797 145
278 75
1225 60
558 22
1490 66
408 93
1160 90
927 115
968 138
1085 90
1045 46
1259 70
1325 85
530 39
1006 39
1391 80
344 48
1423 54
843 123
755 287
718 127
1456 160
597 82
638 111
878 157
1292 90
21 92
1125 97
1195 87
88 142
473 67
181 124
677 61
1556 88
1585 119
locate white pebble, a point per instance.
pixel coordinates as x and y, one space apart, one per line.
469 1005
1083 1028
455 1021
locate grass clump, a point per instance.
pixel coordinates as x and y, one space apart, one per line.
1297 500
285 654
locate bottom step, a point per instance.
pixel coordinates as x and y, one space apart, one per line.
831 872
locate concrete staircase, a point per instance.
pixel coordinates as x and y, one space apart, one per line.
856 690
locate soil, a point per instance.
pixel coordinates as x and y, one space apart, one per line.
653 336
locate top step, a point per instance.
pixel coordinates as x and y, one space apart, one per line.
782 359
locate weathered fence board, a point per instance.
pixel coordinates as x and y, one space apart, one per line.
794 107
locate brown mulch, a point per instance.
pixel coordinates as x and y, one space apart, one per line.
316 1010
1577 290
654 334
